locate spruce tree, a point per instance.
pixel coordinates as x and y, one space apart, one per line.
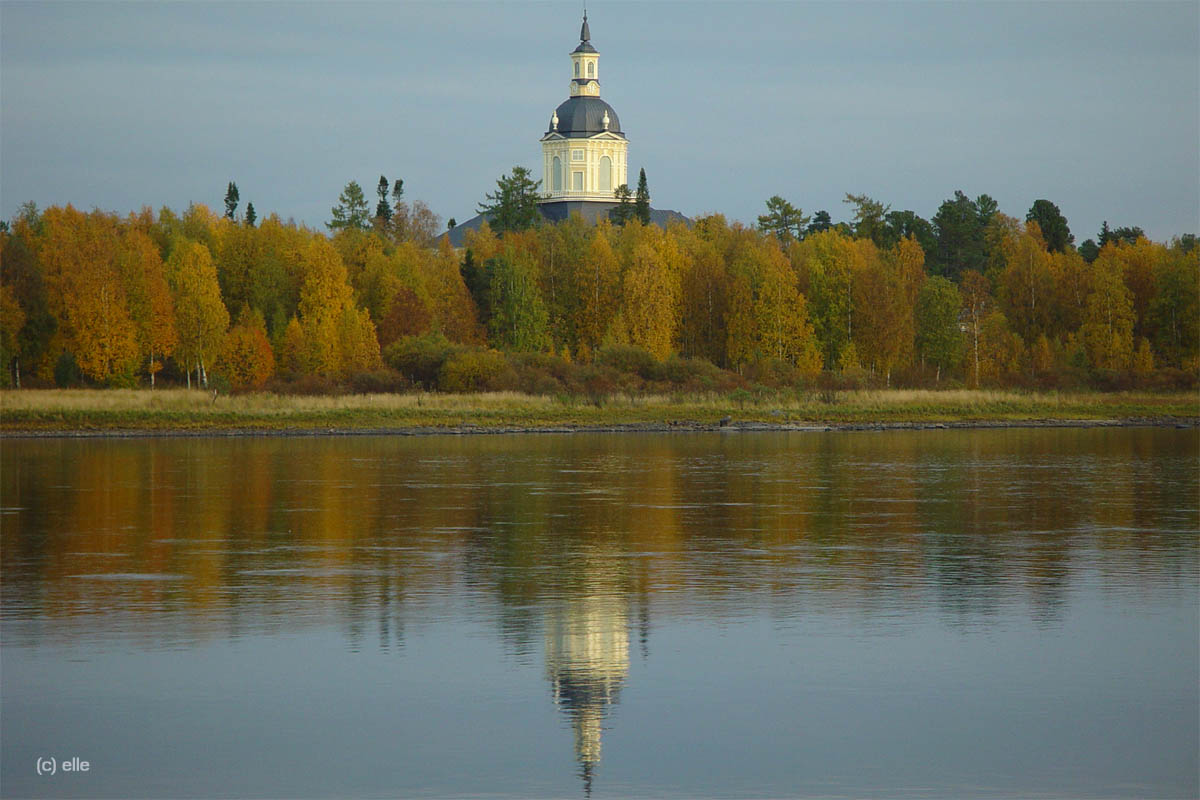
231 200
383 209
641 205
624 210
514 205
250 215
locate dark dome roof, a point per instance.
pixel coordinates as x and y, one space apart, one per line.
579 117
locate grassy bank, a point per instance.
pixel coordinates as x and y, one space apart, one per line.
183 410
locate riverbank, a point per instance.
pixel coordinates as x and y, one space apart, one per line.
119 412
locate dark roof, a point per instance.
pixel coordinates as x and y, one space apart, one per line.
580 117
556 212
585 39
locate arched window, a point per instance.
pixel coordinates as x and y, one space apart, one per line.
605 174
576 69
556 174
591 69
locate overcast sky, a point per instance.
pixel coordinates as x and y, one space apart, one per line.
1095 106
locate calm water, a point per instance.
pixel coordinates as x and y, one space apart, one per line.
911 614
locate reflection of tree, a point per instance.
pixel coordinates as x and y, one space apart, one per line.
258 534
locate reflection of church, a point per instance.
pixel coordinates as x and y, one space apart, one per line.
587 659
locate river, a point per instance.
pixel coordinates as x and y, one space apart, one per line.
962 613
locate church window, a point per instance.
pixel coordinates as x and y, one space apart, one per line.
606 174
591 69
577 181
576 69
557 172
577 155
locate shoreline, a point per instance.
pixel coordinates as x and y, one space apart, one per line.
682 426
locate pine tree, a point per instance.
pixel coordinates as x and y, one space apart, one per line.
351 210
383 209
641 204
250 215
513 207
231 200
624 210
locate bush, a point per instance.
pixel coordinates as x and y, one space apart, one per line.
420 358
380 381
629 360
474 371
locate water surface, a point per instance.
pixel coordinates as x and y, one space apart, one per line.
928 614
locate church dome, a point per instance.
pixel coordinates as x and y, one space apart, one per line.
580 117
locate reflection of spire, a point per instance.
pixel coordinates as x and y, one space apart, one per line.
587 659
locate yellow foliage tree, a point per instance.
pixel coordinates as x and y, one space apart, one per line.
1107 329
649 301
200 314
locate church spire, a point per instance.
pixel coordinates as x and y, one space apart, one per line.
585 35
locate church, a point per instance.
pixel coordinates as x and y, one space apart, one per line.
585 153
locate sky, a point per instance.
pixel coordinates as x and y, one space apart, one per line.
1093 106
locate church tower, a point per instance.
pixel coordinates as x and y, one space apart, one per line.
584 151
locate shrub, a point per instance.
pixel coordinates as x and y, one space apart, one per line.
629 359
380 381
420 358
475 370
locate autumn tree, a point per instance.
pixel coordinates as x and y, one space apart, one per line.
826 264
977 303
999 350
200 315
518 320
884 295
1026 286
1174 313
246 358
938 339
12 319
649 294
597 280
339 338
149 298
1107 330
768 317
80 250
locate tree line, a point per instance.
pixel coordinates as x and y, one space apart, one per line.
971 297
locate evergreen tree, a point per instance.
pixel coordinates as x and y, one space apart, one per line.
1053 225
513 207
821 221
250 215
231 200
397 191
383 209
351 210
641 205
624 210
783 220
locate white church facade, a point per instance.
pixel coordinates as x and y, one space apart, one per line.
585 155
